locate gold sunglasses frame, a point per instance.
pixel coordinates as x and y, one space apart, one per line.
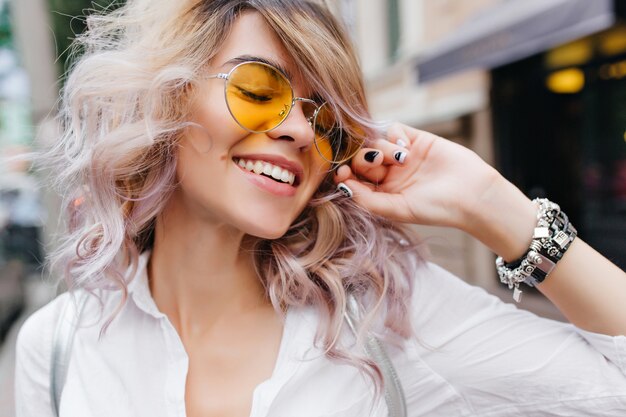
312 120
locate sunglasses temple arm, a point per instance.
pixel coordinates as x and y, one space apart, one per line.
220 75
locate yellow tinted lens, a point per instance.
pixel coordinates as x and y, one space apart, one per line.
259 96
331 140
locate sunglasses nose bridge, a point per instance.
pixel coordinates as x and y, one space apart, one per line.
292 126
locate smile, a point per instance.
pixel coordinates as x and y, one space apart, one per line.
267 169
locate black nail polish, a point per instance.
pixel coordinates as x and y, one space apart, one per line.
370 156
344 189
399 156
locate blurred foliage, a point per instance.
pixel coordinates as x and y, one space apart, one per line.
5 26
68 21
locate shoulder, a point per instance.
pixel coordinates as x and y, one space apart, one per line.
33 351
34 339
39 325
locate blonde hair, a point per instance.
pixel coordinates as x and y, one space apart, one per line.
124 108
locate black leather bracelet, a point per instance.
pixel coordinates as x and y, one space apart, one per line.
552 249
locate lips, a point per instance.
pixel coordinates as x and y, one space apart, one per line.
293 167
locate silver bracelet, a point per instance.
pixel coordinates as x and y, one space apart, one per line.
552 236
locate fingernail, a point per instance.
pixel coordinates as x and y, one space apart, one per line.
402 143
371 155
344 189
399 156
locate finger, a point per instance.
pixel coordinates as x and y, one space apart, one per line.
421 138
421 141
392 153
368 163
342 173
366 196
400 134
357 185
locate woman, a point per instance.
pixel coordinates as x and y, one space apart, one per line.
228 194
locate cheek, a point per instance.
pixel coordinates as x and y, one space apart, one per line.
320 170
210 118
193 167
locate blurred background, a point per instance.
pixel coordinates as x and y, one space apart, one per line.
536 87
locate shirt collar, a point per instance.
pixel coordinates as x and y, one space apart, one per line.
299 330
297 344
139 288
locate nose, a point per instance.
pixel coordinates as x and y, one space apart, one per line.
295 128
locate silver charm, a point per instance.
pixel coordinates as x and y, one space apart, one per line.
561 238
533 257
541 232
517 294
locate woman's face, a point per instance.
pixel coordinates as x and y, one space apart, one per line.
212 185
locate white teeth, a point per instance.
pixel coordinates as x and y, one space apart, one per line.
276 172
260 167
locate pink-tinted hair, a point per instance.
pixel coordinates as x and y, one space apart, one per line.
124 108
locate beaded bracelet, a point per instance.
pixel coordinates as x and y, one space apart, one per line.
552 236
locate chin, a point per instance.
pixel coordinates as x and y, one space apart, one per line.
266 228
267 233
265 222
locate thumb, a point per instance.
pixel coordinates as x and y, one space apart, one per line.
377 202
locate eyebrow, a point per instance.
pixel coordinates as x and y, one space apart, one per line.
247 58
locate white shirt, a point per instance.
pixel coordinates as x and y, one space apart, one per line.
476 356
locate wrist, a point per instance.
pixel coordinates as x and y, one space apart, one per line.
503 218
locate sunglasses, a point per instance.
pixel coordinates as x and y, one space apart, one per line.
260 97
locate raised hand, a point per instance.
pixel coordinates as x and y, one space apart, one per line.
436 181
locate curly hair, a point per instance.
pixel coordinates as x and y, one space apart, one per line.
125 106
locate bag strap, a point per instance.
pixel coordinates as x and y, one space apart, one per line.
70 318
62 340
394 394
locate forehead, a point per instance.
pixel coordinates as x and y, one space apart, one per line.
252 37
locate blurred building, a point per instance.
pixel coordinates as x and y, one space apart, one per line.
35 44
21 213
536 87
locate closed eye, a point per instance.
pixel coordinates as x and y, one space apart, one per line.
254 96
